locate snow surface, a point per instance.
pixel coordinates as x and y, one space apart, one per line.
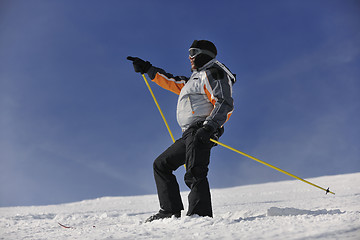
278 210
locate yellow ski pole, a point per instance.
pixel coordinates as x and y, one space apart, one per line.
161 113
158 106
269 165
231 148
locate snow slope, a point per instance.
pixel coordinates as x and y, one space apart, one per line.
280 210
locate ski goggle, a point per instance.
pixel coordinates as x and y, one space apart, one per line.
193 52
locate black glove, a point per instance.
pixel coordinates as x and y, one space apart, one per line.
140 65
218 134
204 133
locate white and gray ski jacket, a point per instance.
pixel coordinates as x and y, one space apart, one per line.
205 96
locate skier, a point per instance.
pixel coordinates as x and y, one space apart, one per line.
205 103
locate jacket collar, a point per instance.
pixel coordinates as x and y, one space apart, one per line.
215 61
207 65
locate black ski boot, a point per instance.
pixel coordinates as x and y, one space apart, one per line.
163 214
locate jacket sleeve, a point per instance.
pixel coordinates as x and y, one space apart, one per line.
167 80
218 88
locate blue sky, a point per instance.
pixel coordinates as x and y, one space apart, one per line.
76 122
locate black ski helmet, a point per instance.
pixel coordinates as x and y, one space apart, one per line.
204 45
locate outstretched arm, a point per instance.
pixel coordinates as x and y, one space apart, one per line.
167 80
158 75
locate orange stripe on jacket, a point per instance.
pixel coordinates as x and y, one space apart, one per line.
213 101
228 116
169 83
208 94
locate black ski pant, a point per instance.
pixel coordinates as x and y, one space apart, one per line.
196 156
